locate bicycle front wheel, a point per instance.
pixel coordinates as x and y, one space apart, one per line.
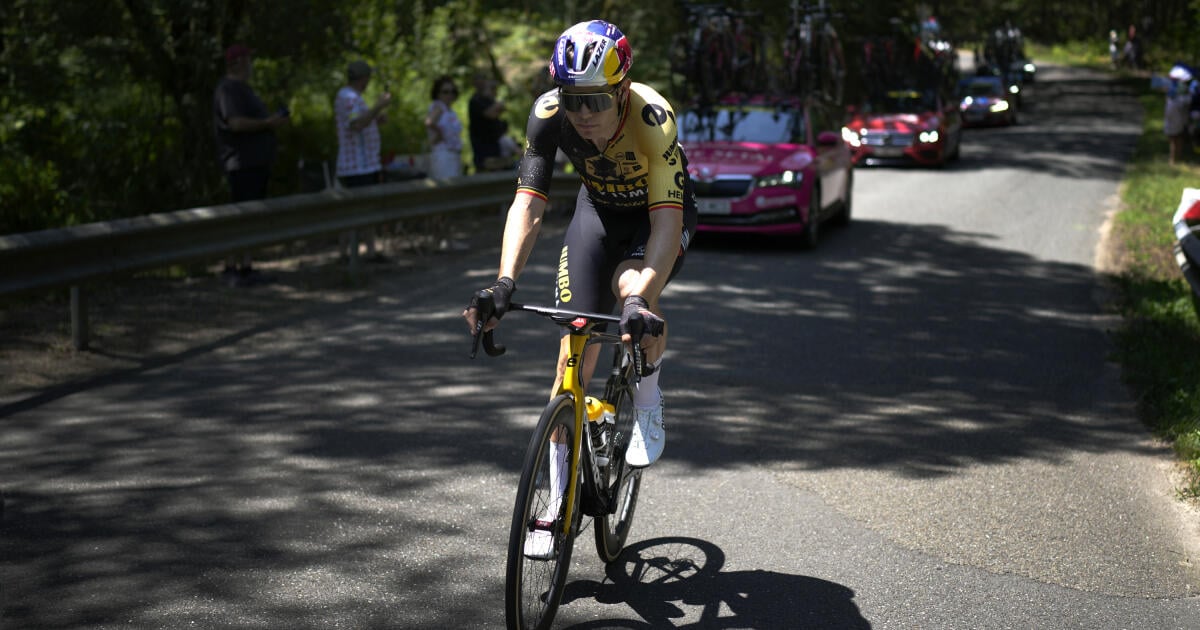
621 482
536 574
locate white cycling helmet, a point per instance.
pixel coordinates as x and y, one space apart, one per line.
591 54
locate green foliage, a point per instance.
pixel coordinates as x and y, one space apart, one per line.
105 105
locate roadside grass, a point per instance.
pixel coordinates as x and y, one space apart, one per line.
1158 342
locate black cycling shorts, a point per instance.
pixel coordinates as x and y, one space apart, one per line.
596 242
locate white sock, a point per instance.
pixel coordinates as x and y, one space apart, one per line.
646 394
558 479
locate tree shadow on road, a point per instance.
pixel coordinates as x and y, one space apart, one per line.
909 348
332 451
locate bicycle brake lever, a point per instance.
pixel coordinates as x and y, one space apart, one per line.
639 360
637 328
475 338
484 306
490 346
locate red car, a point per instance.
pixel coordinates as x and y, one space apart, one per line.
905 127
768 166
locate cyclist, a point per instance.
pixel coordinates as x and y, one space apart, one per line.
634 213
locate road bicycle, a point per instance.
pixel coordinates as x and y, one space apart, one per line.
599 483
814 63
720 52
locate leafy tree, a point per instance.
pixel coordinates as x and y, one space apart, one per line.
105 106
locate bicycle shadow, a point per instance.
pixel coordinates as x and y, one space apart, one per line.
669 581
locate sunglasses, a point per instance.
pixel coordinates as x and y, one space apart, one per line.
595 101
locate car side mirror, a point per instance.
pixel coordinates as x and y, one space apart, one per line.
828 138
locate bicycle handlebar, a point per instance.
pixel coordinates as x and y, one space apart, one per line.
486 306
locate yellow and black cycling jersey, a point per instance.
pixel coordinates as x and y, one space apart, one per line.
642 168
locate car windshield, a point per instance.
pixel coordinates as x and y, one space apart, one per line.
902 102
744 124
983 88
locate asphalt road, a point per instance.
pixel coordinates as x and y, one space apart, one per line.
914 426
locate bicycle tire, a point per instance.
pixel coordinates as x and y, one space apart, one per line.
533 588
622 482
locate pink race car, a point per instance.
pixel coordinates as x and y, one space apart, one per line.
768 166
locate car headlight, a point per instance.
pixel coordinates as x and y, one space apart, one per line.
786 178
998 106
928 137
850 137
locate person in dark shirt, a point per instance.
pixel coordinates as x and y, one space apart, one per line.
245 138
486 127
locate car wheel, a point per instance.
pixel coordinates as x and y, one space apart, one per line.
812 229
843 215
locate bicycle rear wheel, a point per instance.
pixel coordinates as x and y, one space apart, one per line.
621 482
533 587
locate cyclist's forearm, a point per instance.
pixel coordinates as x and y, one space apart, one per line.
521 230
661 250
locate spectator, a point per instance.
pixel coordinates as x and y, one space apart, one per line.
1176 111
445 130
245 139
358 138
486 127
1133 48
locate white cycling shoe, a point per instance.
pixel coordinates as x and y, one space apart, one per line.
539 543
648 439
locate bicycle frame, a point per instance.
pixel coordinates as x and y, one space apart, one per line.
604 489
581 335
572 385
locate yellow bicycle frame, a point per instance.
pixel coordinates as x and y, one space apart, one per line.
572 384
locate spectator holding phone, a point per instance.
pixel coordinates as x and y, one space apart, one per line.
245 139
358 161
358 128
1176 114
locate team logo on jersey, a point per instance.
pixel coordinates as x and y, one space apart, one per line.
547 106
564 278
625 166
668 156
654 115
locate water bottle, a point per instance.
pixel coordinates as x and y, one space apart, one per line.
601 417
595 408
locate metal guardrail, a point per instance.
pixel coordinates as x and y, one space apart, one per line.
72 256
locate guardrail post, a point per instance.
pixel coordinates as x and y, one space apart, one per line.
79 318
352 262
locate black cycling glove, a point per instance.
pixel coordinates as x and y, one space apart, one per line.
500 295
637 318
